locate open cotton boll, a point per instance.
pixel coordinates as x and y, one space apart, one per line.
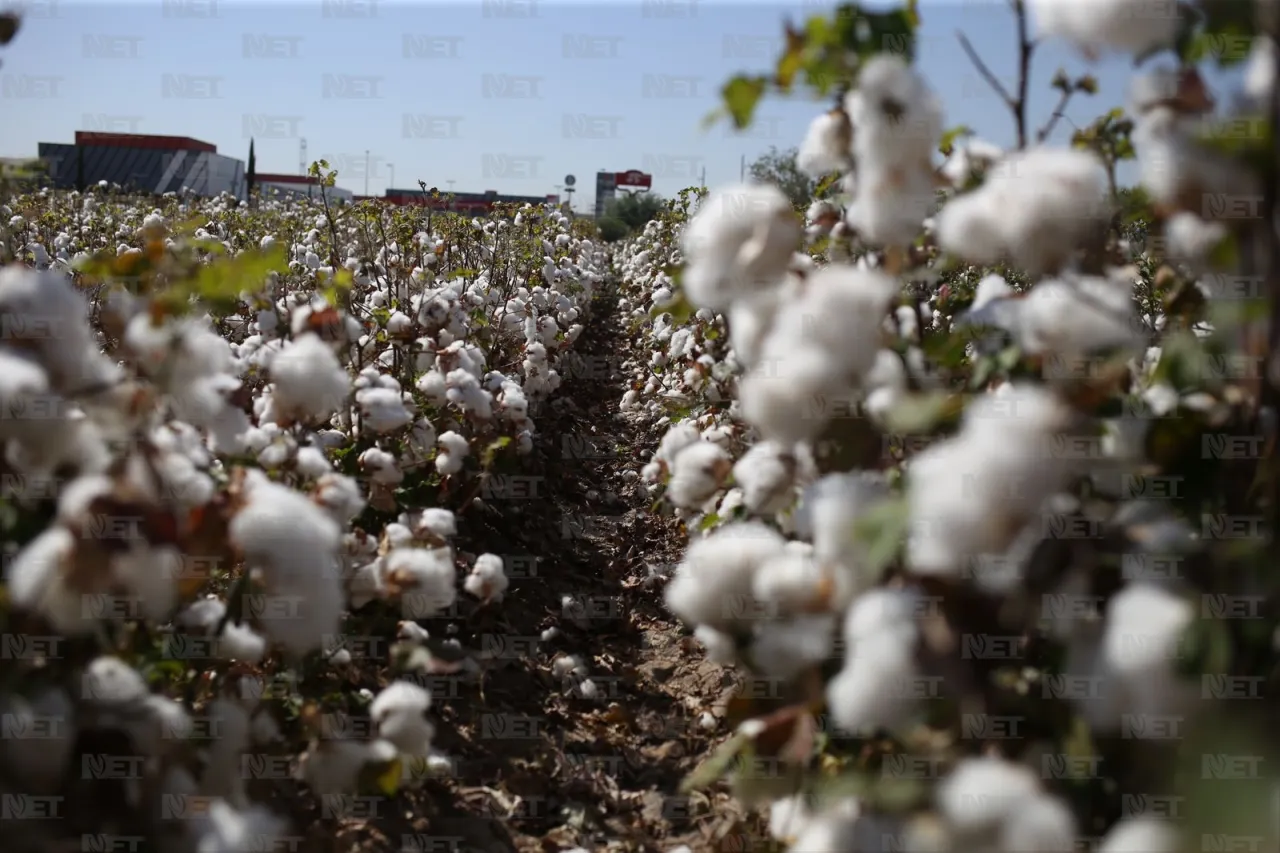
50 320
1061 199
712 583
841 313
740 240
399 714
791 400
447 462
1192 240
980 794
487 581
383 409
1098 25
990 288
36 584
766 474
788 817
1075 317
109 682
333 766
436 522
426 578
1141 834
784 649
971 495
43 758
697 473
676 439
1042 824
309 381
827 145
828 515
1140 650
875 688
834 830
231 830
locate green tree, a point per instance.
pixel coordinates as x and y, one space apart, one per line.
635 209
612 229
779 168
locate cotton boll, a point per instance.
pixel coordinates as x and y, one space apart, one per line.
1140 647
676 439
1061 199
983 793
766 473
110 682
426 578
828 515
1075 317
788 817
832 831
785 649
487 581
740 240
875 687
1097 25
1043 824
398 712
43 758
970 495
1191 239
697 472
792 400
990 288
1141 834
332 767
309 382
827 146
35 580
715 578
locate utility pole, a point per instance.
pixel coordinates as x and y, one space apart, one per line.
704 177
366 171
742 171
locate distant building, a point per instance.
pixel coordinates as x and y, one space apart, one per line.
143 163
297 186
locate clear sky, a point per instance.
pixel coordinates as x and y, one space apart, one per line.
509 95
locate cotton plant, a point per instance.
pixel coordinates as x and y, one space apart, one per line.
862 577
240 445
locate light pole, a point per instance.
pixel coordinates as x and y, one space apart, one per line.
392 183
366 171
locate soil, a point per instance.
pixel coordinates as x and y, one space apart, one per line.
538 766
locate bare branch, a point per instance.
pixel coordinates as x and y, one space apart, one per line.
1057 114
984 70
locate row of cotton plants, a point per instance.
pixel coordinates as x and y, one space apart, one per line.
233 438
983 535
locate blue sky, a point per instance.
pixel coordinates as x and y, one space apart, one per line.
509 95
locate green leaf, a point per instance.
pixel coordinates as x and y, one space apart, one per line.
947 144
741 94
1206 649
680 310
493 449
920 413
883 531
715 766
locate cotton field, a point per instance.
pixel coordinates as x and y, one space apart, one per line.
931 511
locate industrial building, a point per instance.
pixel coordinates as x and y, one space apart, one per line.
144 163
297 186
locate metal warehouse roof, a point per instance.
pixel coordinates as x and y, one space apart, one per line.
139 140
